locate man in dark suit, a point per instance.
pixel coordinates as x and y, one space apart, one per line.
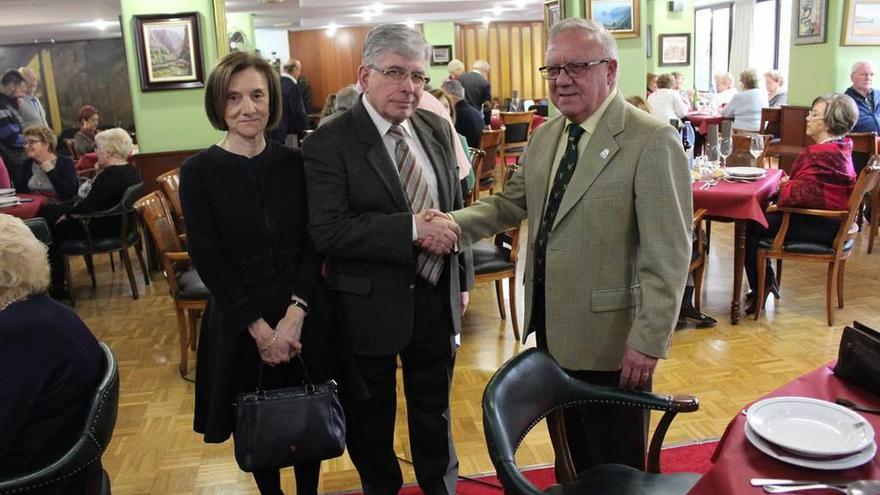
294 120
476 84
372 172
468 120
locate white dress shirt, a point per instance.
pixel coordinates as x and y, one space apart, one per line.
666 104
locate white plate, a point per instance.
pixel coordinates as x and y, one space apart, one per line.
6 191
9 200
810 427
847 462
746 171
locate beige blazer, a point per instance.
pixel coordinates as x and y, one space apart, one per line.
618 254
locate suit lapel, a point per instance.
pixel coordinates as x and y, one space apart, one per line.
437 155
377 156
597 155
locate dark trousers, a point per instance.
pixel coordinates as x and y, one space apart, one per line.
307 475
802 228
427 378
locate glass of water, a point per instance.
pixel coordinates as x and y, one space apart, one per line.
756 148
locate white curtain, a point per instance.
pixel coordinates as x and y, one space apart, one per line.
743 11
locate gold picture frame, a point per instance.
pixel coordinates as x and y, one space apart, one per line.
861 23
620 17
554 11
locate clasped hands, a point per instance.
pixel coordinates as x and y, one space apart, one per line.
437 232
287 334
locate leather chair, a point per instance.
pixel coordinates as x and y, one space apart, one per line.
169 183
517 131
187 289
40 229
129 236
865 143
530 386
490 143
835 254
83 458
496 262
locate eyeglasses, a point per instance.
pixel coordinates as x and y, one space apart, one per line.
815 116
33 141
573 69
400 75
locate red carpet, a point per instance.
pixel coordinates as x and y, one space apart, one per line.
691 458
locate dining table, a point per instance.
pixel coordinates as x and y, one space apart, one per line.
736 461
702 120
29 207
740 203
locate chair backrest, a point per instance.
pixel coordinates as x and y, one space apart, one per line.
517 127
70 144
867 181
477 157
770 119
93 439
864 142
742 155
509 241
157 217
170 184
40 229
489 143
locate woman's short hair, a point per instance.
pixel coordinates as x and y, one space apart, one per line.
749 78
665 81
441 95
24 264
116 142
639 102
841 112
725 78
776 76
650 76
455 66
346 98
217 89
42 133
86 112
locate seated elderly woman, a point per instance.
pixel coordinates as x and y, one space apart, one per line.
745 107
47 173
724 91
822 177
50 364
84 139
666 104
774 80
113 148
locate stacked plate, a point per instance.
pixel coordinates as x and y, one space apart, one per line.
8 197
810 433
745 173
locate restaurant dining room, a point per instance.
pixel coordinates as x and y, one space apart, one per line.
229 230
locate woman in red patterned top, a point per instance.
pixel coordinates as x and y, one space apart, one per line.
822 177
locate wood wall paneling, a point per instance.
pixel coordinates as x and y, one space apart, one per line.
152 165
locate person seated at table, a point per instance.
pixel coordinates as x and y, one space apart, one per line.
822 177
84 139
50 363
113 148
724 91
687 95
774 80
650 84
47 173
666 104
638 102
745 106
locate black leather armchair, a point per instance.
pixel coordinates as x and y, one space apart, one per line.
532 385
84 456
40 229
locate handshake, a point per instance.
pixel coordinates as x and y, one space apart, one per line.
437 232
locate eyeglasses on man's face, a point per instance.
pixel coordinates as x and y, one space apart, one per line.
33 141
399 75
573 69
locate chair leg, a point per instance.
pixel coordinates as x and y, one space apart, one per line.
140 257
112 263
126 262
698 286
90 266
841 270
779 274
184 344
762 279
708 235
511 288
829 291
875 222
193 317
499 294
68 279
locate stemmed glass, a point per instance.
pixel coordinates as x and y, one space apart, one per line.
756 148
725 148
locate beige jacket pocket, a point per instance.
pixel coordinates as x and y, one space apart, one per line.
614 299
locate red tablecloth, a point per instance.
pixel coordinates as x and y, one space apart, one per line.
738 200
26 210
736 460
702 121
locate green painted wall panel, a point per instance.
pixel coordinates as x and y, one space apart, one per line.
439 33
665 22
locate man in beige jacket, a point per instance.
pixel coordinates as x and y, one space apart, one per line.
606 190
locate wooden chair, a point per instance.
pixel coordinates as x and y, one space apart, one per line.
770 120
866 143
792 136
517 130
490 143
169 183
835 254
496 262
186 287
477 157
742 155
698 256
70 145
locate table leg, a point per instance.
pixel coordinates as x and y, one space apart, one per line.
739 261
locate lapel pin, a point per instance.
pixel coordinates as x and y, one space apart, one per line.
604 154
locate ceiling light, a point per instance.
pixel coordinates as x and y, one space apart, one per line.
282 24
497 10
410 23
367 14
485 21
377 8
331 29
520 4
100 24
269 1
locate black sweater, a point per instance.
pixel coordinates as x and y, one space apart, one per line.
63 178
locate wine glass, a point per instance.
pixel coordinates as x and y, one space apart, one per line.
756 148
725 148
712 152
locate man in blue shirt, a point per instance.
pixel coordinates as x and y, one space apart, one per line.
866 97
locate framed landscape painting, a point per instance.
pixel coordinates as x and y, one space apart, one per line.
861 23
554 11
169 51
621 17
675 49
441 54
810 22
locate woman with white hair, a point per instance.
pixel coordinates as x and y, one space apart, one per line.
724 91
50 363
774 80
113 147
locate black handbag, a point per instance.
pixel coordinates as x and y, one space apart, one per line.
281 427
858 360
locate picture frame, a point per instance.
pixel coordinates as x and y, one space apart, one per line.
441 54
554 11
620 17
861 23
169 51
810 21
674 49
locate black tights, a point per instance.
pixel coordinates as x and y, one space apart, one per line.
306 474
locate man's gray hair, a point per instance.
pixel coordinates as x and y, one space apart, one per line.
858 64
346 98
591 29
454 88
482 66
396 38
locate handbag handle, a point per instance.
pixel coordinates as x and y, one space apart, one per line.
310 387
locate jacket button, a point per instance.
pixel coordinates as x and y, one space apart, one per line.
412 286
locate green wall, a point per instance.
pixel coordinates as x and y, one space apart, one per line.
245 24
824 68
439 33
170 120
665 22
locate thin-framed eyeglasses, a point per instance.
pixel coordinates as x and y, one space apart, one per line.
400 75
32 141
815 116
573 69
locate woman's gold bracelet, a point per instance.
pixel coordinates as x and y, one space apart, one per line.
272 341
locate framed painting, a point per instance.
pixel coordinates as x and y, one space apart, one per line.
169 51
861 23
554 11
621 17
675 49
810 22
441 54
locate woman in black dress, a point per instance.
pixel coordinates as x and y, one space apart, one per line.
244 202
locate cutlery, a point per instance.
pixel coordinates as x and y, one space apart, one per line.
862 487
780 482
857 407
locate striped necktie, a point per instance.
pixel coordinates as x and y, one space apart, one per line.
429 266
